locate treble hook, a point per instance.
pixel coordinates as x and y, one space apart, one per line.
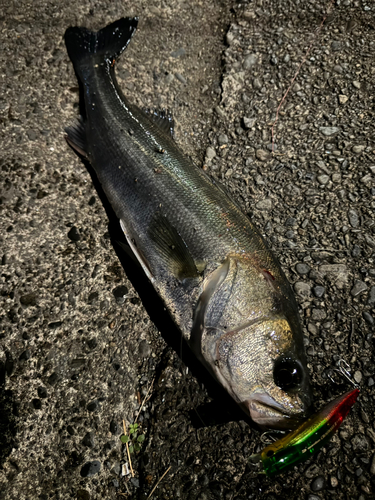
343 369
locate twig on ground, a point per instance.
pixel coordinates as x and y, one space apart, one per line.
297 72
127 449
157 484
145 399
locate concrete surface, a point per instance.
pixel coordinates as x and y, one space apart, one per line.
78 353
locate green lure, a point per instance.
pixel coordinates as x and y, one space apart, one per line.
300 444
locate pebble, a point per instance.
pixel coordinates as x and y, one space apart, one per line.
117 468
312 328
28 299
358 288
356 251
302 288
323 179
120 293
358 149
144 349
83 495
360 443
248 122
334 482
368 318
336 45
262 155
89 440
114 427
357 376
313 497
357 84
318 314
318 484
302 269
257 84
264 204
180 78
42 392
319 291
343 98
32 135
250 61
90 468
329 130
179 52
93 405
74 234
353 217
222 139
210 153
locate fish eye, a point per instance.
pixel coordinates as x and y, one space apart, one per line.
287 373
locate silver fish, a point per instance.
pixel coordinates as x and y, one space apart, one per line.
221 284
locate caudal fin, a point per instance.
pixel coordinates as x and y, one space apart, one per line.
84 45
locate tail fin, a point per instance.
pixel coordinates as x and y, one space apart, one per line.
108 43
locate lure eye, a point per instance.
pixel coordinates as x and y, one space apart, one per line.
287 374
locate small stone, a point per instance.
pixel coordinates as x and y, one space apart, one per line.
319 291
356 84
359 148
115 483
222 139
338 69
52 379
114 428
302 288
359 288
117 468
318 314
264 205
257 84
74 234
180 78
370 382
250 61
328 131
334 482
336 273
210 153
37 404
248 122
83 495
90 468
357 376
28 299
336 178
356 251
42 392
179 52
89 440
312 328
368 318
313 497
318 484
360 443
135 481
92 297
353 217
120 293
323 179
70 430
262 155
144 349
32 135
371 296
336 45
302 269
93 405
343 98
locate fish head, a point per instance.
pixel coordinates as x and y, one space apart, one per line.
252 342
260 367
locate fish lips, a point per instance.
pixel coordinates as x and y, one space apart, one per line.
268 414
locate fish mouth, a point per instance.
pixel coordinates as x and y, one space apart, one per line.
269 414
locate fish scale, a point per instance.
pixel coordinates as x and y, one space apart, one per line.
221 284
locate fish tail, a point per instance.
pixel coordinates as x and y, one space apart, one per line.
88 47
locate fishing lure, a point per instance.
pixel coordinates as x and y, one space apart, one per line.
307 439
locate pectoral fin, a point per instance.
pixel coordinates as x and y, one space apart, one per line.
172 249
137 253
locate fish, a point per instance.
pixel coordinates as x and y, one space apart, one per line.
218 279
